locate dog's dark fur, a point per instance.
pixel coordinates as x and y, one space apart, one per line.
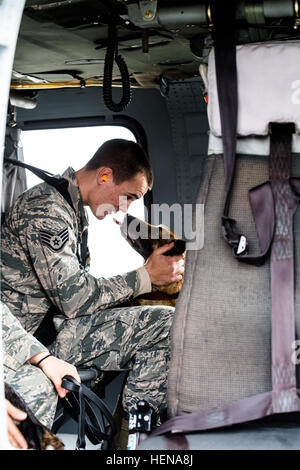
37 435
152 237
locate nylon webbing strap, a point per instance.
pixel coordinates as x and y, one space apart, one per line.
226 76
282 270
61 184
261 196
91 413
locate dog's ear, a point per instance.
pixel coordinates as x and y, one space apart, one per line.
178 248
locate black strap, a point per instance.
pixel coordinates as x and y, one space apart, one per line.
261 197
92 415
84 248
226 76
61 184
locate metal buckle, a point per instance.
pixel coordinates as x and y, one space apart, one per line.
242 246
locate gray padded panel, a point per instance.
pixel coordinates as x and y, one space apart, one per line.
221 333
189 124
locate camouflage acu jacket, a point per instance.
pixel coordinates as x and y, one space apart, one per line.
39 263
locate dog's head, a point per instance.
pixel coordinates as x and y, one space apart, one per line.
145 238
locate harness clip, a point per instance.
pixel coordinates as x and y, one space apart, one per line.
242 246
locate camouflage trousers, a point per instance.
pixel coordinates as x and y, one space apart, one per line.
133 338
36 389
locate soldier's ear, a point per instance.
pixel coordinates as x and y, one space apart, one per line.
104 175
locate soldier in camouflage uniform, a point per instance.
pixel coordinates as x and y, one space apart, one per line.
41 242
40 385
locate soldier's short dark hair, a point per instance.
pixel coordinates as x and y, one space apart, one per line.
125 158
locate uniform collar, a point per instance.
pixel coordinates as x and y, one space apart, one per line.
74 192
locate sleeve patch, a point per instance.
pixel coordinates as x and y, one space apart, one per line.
55 241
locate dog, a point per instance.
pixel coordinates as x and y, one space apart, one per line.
37 436
145 238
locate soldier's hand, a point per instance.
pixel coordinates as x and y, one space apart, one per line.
55 369
163 269
15 436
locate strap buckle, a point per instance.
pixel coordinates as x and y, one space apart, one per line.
238 242
242 246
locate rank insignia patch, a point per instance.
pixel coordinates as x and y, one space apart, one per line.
55 241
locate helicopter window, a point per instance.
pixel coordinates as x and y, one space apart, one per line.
54 150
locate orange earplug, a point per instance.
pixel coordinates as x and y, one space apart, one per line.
104 178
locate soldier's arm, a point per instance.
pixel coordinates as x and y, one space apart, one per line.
18 345
52 246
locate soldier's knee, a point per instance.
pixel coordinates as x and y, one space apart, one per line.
159 316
